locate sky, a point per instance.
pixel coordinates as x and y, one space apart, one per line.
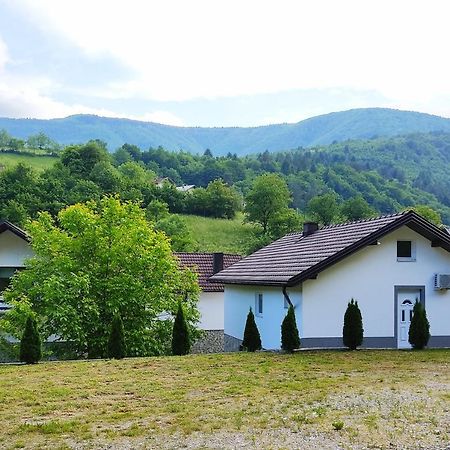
222 62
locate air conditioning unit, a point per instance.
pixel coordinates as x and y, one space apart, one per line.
441 281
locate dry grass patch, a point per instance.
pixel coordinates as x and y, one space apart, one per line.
382 398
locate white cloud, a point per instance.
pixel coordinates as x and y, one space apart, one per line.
24 98
4 57
182 50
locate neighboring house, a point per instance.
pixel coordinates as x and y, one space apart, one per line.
14 250
384 263
211 304
186 187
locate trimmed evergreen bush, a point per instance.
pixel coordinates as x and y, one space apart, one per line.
180 335
252 339
116 341
290 340
352 332
30 344
419 329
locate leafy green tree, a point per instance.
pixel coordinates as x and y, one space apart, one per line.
116 341
157 210
324 208
30 344
252 339
177 231
81 159
180 335
290 339
419 329
353 331
5 138
42 142
284 222
357 208
101 259
268 196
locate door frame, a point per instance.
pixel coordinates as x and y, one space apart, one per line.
398 289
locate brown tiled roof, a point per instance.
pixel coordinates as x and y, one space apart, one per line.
203 263
295 258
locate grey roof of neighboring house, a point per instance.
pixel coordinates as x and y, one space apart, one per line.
295 257
6 225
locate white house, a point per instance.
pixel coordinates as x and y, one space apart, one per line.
211 299
14 249
384 263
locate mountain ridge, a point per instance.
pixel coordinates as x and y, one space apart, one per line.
360 123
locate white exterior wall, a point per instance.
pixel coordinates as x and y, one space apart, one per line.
13 250
210 305
369 276
238 300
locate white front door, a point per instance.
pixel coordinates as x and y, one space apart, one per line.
405 305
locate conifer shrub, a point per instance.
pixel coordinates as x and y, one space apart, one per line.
116 341
252 339
352 332
419 329
180 335
30 344
290 339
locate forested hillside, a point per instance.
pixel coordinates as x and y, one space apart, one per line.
357 123
390 174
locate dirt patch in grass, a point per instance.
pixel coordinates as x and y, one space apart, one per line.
364 399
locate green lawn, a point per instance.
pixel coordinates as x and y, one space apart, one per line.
220 235
382 399
37 162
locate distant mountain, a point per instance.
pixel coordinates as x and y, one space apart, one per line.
320 130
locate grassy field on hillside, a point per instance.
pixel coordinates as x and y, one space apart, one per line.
37 162
363 399
220 235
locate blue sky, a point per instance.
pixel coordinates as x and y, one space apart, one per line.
222 63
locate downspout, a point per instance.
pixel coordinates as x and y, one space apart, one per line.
286 296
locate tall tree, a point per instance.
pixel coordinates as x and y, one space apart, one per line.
30 344
353 331
268 196
252 339
180 334
99 259
116 341
290 339
357 208
419 329
324 208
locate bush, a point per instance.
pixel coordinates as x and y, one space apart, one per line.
419 329
290 339
180 335
352 332
30 344
252 339
116 342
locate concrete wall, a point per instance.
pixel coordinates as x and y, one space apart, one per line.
13 250
238 300
370 277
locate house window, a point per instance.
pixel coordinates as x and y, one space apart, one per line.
259 304
405 251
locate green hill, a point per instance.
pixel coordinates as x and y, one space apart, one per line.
220 235
324 129
38 162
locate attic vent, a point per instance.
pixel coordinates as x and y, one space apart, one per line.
441 281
